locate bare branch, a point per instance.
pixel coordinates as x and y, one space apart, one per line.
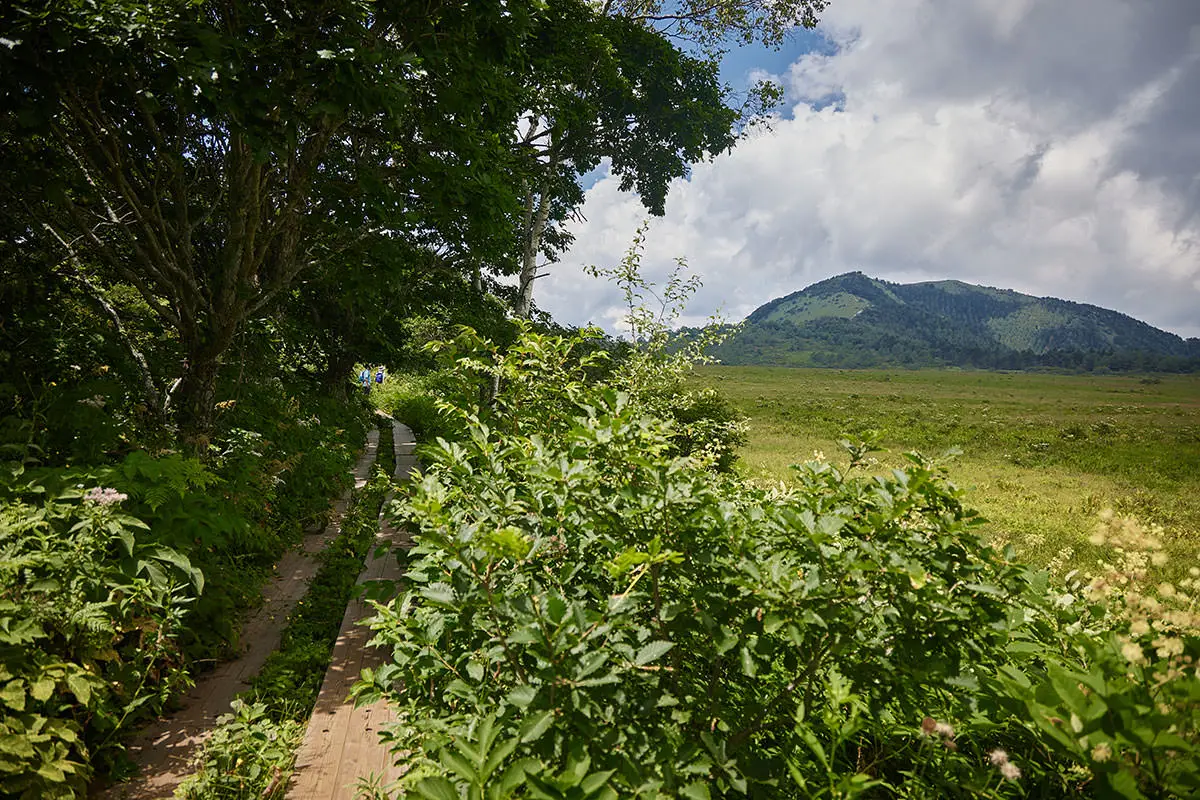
77 275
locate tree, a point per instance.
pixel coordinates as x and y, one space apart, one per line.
616 81
208 155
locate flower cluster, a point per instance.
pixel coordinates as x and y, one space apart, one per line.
1159 615
104 497
942 730
1008 770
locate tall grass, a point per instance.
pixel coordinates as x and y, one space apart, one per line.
1041 455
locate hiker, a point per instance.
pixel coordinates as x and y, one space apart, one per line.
379 376
364 378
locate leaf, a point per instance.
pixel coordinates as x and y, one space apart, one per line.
522 696
458 764
41 689
439 593
80 687
696 791
749 666
15 745
595 782
437 789
496 758
652 651
533 727
13 695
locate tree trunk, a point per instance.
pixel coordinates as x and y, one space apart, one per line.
537 214
194 400
337 373
194 396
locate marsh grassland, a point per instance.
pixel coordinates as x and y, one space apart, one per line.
1041 455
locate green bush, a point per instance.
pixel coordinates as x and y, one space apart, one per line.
248 757
412 398
91 606
594 615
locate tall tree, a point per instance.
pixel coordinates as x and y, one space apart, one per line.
205 153
637 83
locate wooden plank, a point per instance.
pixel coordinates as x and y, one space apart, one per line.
342 743
164 749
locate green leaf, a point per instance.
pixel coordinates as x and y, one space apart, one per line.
437 788
13 695
697 790
41 689
80 687
16 745
652 651
496 758
457 763
749 666
441 594
522 696
533 727
595 782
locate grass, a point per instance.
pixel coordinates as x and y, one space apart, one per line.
1041 454
291 678
250 754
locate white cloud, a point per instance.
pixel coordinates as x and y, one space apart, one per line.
1048 146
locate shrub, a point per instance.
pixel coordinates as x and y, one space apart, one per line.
594 615
90 610
247 757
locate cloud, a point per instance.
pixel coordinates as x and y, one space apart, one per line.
1049 146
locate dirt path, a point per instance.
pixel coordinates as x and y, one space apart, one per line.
341 744
164 749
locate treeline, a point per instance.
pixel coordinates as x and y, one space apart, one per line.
850 344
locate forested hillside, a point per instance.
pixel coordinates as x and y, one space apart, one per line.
853 320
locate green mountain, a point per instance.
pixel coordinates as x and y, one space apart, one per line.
853 320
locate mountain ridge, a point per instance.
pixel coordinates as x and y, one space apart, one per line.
854 320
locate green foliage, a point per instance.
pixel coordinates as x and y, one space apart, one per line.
413 398
594 616
91 606
290 680
95 584
656 372
251 753
247 757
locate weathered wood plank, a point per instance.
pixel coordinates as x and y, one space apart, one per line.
342 744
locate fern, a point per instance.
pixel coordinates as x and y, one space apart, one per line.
93 618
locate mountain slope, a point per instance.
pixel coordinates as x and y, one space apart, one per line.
853 320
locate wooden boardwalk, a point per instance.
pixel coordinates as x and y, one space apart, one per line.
164 750
341 745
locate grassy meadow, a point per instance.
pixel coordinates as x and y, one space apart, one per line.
1041 456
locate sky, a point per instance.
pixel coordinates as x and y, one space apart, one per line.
1046 146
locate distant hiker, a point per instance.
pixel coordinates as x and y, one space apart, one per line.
364 379
379 376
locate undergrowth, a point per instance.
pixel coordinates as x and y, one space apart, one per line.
291 678
251 753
